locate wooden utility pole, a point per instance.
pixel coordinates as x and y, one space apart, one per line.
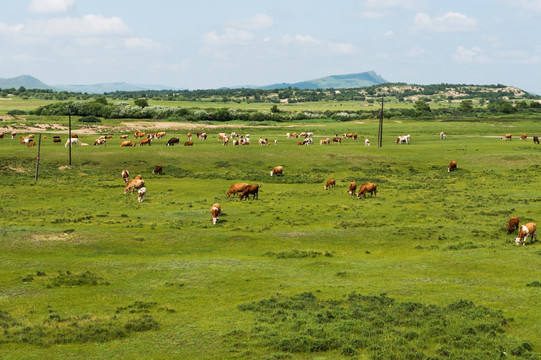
69 133
37 159
380 127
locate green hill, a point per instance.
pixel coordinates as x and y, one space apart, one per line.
347 81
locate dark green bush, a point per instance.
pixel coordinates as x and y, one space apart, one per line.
90 119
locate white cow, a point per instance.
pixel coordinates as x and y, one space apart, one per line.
141 193
526 230
405 139
366 142
72 141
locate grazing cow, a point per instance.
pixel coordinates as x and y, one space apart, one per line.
138 135
366 142
405 139
226 141
367 188
123 136
221 136
160 134
324 141
507 137
275 142
536 140
126 176
173 141
141 193
308 141
215 211
189 136
350 135
452 166
337 139
330 183
1 135
134 184
72 141
250 189
442 135
57 139
127 143
236 188
530 230
278 170
245 141
13 134
31 143
352 188
235 142
99 142
299 142
146 141
152 136
188 143
202 136
108 137
157 170
523 137
513 224
263 141
25 140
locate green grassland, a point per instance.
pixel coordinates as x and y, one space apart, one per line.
89 273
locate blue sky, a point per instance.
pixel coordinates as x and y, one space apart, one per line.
204 44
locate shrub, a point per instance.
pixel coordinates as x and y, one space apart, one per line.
90 119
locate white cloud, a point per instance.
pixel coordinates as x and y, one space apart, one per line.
230 36
305 42
5 29
88 25
299 39
473 55
141 43
51 6
415 52
256 22
450 22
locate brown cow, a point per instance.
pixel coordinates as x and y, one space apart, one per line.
337 139
123 136
157 170
188 143
31 143
215 211
278 170
507 137
99 142
134 184
1 135
530 230
189 136
127 143
352 188
57 139
138 134
160 134
523 137
330 183
146 141
236 188
513 224
367 188
250 189
452 166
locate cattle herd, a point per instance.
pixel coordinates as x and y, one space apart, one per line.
244 190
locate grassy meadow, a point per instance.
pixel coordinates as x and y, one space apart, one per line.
422 270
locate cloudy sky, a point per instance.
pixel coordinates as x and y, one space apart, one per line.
202 44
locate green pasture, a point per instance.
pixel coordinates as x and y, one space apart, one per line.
422 270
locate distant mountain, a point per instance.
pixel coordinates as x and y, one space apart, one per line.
111 87
348 81
26 81
30 82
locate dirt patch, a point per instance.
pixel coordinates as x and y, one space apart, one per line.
15 169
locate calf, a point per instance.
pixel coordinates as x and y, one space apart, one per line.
189 136
99 142
215 211
513 224
324 141
442 135
330 183
141 193
367 188
236 188
126 175
452 166
57 140
530 230
337 139
250 189
188 143
536 140
123 136
157 170
352 188
278 170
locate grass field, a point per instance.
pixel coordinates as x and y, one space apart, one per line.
89 273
